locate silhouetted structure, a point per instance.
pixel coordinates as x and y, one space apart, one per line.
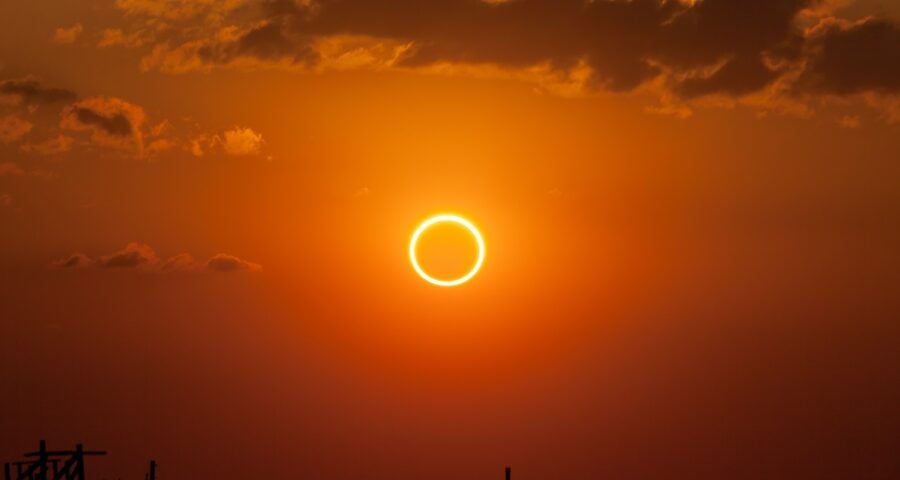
64 464
508 473
151 474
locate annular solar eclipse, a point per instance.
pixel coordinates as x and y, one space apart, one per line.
441 219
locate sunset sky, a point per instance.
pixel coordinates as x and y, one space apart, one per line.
691 211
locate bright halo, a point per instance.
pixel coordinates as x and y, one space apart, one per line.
446 218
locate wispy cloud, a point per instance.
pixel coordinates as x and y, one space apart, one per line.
13 128
52 146
67 35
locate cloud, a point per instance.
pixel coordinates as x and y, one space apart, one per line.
862 57
14 170
738 76
11 169
111 121
849 121
160 145
108 122
764 54
228 263
115 124
112 37
52 146
30 91
242 141
176 9
13 128
889 105
6 200
142 257
75 260
614 38
67 35
183 262
132 256
238 141
199 145
202 144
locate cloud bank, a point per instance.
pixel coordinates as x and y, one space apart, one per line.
140 256
729 46
681 49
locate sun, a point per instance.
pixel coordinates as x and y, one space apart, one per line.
452 219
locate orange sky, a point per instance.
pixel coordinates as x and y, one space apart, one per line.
691 212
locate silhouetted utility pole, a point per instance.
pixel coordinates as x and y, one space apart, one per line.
151 475
508 473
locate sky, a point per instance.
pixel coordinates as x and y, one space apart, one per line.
690 209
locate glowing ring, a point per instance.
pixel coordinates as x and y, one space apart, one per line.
446 219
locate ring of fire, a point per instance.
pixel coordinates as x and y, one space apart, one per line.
446 218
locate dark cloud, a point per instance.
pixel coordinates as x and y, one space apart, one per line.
116 124
111 121
31 91
76 260
694 47
270 41
229 263
739 76
617 39
858 58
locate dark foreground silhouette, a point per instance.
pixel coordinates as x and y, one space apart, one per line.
46 464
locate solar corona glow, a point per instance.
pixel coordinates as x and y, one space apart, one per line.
446 218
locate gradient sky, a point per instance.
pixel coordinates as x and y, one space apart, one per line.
691 209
